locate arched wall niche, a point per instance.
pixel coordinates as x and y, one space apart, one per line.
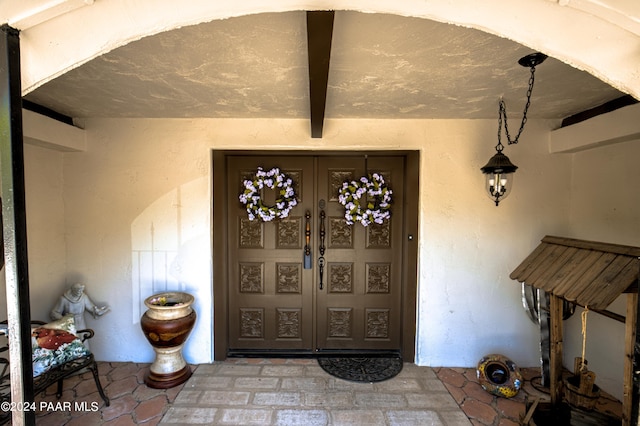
589 36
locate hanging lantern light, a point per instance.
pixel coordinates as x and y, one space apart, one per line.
499 170
499 176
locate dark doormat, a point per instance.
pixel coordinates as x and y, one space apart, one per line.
363 370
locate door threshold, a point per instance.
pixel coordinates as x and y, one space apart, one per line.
269 353
358 353
320 353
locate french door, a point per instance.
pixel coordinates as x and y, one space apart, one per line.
346 294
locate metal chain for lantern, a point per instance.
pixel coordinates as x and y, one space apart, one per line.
502 112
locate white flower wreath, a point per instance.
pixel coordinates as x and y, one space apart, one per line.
378 200
272 179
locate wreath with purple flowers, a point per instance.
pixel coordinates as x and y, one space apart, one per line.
366 201
272 179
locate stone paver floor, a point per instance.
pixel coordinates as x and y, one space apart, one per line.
287 392
298 392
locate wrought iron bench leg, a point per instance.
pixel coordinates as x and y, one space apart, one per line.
59 391
94 369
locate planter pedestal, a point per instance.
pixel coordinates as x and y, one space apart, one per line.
166 325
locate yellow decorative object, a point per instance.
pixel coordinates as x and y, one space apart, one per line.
499 376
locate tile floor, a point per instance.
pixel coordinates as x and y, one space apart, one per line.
288 392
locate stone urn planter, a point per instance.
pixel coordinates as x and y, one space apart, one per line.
166 324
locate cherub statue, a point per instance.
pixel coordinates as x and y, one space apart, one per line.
75 301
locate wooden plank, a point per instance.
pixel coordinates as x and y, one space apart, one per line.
609 314
544 262
529 263
555 364
563 261
608 285
556 282
589 274
629 352
530 412
579 265
606 313
598 266
629 273
319 35
594 245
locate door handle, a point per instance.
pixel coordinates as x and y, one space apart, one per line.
321 248
307 239
321 262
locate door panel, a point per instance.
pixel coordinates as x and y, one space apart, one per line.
359 306
270 300
276 304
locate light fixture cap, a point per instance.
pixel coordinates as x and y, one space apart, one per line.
499 163
532 60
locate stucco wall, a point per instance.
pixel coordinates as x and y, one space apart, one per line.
468 305
605 206
137 208
45 227
45 230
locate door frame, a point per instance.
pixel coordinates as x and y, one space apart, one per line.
219 238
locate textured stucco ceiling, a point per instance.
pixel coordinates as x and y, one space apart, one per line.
382 66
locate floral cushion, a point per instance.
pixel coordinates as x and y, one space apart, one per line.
54 344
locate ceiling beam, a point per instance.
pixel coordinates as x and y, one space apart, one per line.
613 105
319 34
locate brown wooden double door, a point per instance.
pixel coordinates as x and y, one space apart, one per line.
277 301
